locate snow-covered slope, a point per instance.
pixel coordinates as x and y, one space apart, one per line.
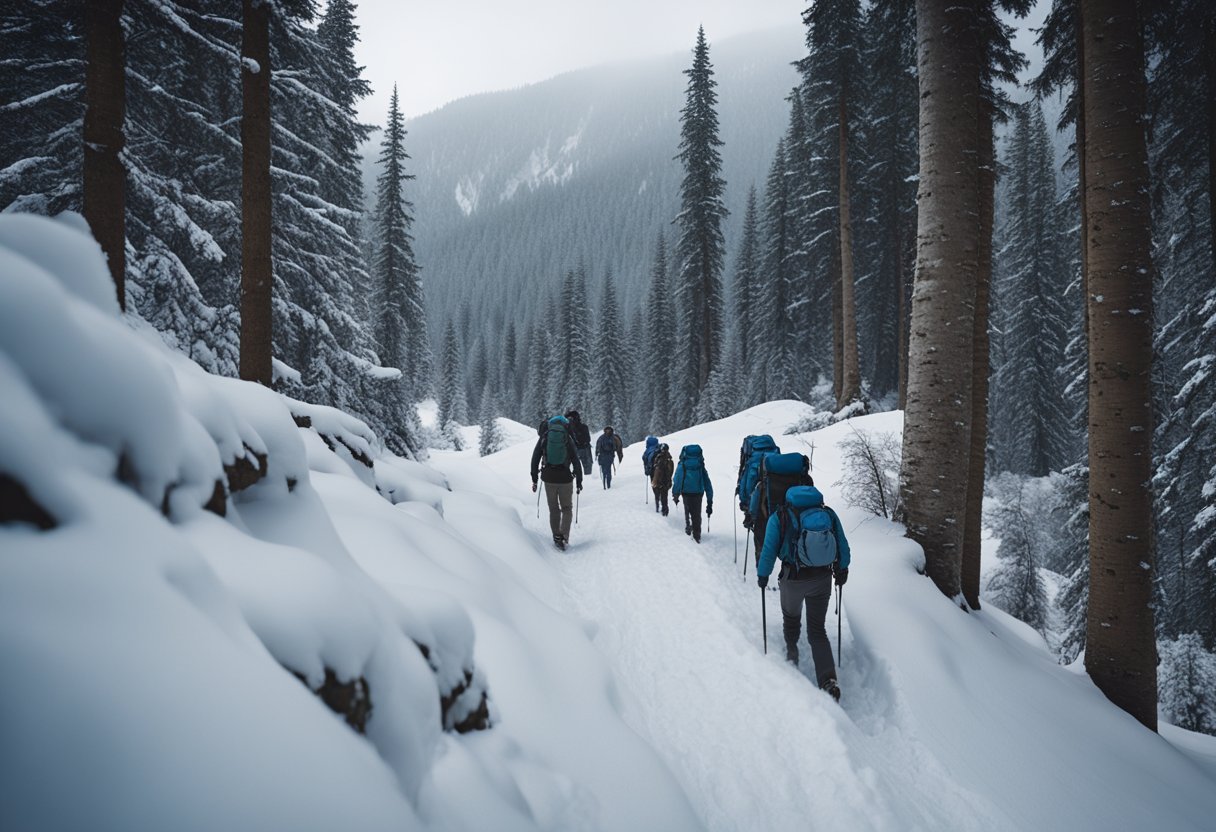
949 720
188 564
175 547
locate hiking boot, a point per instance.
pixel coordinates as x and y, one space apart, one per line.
688 528
791 653
559 541
831 688
664 512
697 538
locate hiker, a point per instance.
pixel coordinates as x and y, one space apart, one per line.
606 447
581 435
560 474
776 474
661 470
691 481
753 451
652 448
810 541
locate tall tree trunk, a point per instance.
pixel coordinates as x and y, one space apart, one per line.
980 364
837 328
256 277
850 390
937 421
1079 141
105 107
1120 647
1209 65
901 286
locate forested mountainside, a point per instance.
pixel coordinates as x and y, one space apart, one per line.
522 185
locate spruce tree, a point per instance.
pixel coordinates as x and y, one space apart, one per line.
609 380
700 248
453 405
771 336
659 357
491 434
743 303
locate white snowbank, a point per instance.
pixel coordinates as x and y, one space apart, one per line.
208 539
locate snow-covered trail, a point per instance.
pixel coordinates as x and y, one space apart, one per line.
948 721
753 741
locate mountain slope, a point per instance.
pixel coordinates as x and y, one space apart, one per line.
514 188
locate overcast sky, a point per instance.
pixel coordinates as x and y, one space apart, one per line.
437 51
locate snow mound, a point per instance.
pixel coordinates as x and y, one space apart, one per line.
223 608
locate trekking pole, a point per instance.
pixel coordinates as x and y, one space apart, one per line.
538 504
576 493
839 628
746 546
764 617
734 517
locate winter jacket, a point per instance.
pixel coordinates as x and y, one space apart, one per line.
664 468
570 471
580 433
652 448
690 476
800 499
606 446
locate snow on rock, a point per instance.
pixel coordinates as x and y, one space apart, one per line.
223 608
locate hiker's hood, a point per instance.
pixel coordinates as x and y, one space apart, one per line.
804 496
652 441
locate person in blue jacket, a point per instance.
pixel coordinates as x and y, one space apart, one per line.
691 481
810 541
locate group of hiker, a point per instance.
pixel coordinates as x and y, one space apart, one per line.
782 509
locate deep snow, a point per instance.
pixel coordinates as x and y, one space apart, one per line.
145 641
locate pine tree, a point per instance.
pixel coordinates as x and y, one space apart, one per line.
700 249
578 341
1017 585
257 281
509 372
772 334
609 384
938 415
453 406
1120 651
1187 683
830 83
491 434
105 106
745 322
660 354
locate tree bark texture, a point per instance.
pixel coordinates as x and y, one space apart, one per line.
850 390
1209 65
980 364
256 277
1120 651
104 176
902 305
837 328
937 420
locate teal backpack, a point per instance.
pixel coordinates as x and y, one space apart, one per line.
555 441
807 527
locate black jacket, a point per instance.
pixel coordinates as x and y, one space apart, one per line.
557 474
580 433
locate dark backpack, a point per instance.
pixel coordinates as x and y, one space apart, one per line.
778 474
750 445
648 456
556 452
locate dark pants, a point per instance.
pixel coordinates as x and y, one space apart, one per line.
692 513
606 474
814 587
584 456
660 499
759 526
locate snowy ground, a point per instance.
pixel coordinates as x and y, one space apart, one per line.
948 721
153 614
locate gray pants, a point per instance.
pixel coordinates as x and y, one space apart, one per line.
560 496
584 456
814 587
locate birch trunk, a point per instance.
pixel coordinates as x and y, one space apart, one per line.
1120 646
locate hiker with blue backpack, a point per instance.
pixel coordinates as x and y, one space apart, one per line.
691 481
753 451
561 473
808 538
606 447
648 454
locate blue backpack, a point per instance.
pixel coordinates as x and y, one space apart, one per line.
555 441
807 529
756 449
694 470
648 455
777 475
